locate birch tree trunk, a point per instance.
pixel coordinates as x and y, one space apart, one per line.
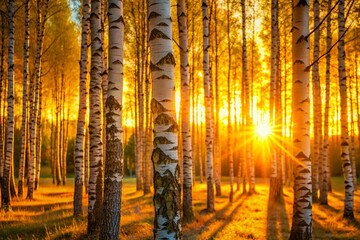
143 71
33 110
87 160
357 95
104 80
80 132
2 85
208 110
302 210
275 192
216 139
187 208
24 121
36 108
1 92
165 159
345 155
38 136
5 181
147 136
230 133
325 154
248 158
38 96
57 141
96 152
113 162
194 122
317 112
352 138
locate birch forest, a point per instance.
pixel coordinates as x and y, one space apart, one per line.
179 119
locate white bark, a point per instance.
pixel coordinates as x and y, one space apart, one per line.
208 109
5 181
165 154
317 112
24 121
302 210
110 227
325 154
80 133
95 131
188 214
345 154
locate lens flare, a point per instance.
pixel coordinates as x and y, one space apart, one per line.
263 130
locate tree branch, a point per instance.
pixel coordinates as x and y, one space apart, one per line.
322 20
176 43
18 8
328 51
348 12
44 74
56 38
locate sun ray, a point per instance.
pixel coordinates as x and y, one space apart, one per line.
263 130
281 146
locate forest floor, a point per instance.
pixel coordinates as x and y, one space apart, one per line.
49 215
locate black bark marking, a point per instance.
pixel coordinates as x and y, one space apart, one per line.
164 77
159 157
164 119
154 68
161 140
120 19
298 62
168 59
162 24
173 128
305 170
157 107
153 15
113 5
155 33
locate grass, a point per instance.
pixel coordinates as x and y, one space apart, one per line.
49 215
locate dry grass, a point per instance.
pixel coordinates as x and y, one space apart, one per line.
49 215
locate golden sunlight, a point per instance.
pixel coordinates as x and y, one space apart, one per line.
263 130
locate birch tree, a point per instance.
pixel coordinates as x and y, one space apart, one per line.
80 133
187 208
325 151
96 152
5 181
326 181
230 134
113 161
345 155
35 108
248 123
317 112
24 127
38 93
208 109
302 210
275 192
216 118
165 159
2 85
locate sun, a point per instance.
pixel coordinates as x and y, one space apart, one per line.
263 130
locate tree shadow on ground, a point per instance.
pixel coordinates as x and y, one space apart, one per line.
328 223
278 226
224 214
227 218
